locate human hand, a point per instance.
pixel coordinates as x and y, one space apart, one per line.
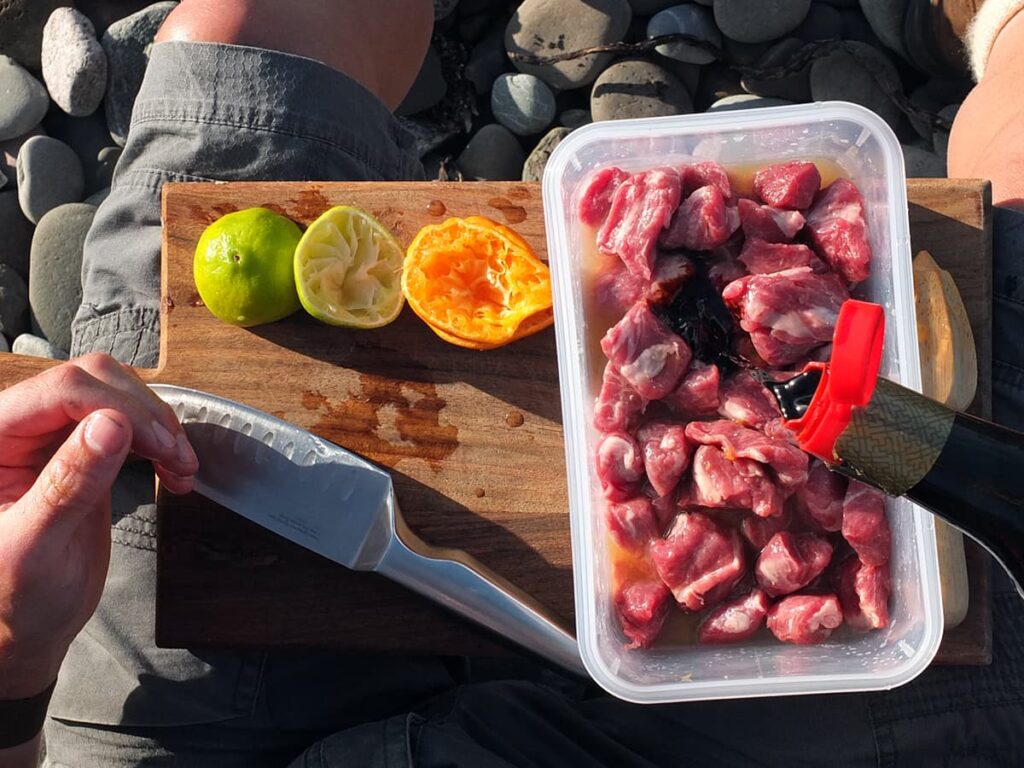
64 436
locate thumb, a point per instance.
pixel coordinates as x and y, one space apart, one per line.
79 474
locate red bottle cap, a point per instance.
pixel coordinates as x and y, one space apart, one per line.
847 381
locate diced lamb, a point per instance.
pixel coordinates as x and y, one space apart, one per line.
821 498
667 454
620 466
773 225
736 620
776 429
642 607
839 232
790 185
723 483
648 355
865 525
698 560
616 288
762 258
619 406
671 270
703 174
863 591
722 271
805 619
791 561
697 393
702 222
759 530
788 462
632 523
596 197
665 507
787 314
641 208
746 401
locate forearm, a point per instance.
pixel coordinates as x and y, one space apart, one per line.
22 756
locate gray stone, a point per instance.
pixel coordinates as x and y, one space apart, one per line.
9 155
575 118
856 27
940 139
546 27
922 164
443 8
840 76
886 18
533 168
795 87
74 65
743 53
716 82
4 346
24 100
55 270
492 154
3 179
13 302
88 136
472 28
758 21
688 74
638 88
33 346
49 174
745 101
522 103
822 22
15 234
96 198
690 20
21 28
840 3
103 13
126 43
428 88
487 60
650 7
106 161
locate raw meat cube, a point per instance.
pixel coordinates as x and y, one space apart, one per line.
702 222
619 406
616 288
641 208
865 526
720 482
703 174
787 314
788 461
805 619
632 524
791 561
686 493
670 272
723 268
788 185
839 232
776 429
649 356
667 454
773 225
596 197
821 498
761 257
698 560
863 591
759 530
697 393
620 466
736 620
642 607
746 401
664 507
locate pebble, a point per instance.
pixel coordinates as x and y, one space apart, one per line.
638 88
443 8
21 28
546 27
13 302
856 27
689 19
87 136
126 44
74 65
4 346
487 60
746 101
533 168
103 13
15 234
24 100
840 3
650 7
688 74
472 28
522 103
838 76
886 18
9 154
49 174
492 154
3 179
743 53
822 22
795 87
96 198
940 139
922 164
428 88
716 82
758 21
33 346
106 161
575 118
55 270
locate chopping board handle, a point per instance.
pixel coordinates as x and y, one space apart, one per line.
16 368
460 583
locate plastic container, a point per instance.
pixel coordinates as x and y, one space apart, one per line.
866 150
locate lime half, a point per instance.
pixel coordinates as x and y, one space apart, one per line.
348 270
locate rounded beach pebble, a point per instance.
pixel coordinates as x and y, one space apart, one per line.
33 346
21 28
746 101
74 65
533 169
4 347
15 234
840 76
522 103
758 21
13 301
55 270
23 100
9 155
493 154
638 88
689 19
49 174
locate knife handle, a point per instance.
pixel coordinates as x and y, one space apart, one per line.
457 581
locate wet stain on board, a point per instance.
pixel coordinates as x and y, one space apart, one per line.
514 419
436 208
309 204
513 213
279 210
195 300
168 303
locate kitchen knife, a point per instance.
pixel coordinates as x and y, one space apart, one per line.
342 507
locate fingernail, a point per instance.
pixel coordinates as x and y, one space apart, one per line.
185 453
104 435
165 438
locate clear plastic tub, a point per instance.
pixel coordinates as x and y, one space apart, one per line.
866 151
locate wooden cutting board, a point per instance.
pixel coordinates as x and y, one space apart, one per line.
473 439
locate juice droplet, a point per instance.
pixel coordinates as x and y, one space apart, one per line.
436 208
479 493
514 419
